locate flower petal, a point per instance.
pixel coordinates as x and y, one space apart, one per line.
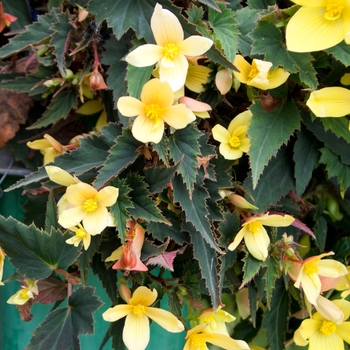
330 102
71 217
244 69
107 196
311 286
136 332
146 130
157 92
177 116
195 45
117 312
175 75
257 244
165 319
307 328
224 341
96 221
130 106
39 144
309 30
320 341
241 119
343 330
197 75
220 133
327 309
277 220
277 77
145 55
331 268
223 81
166 27
143 296
60 176
229 152
239 236
78 193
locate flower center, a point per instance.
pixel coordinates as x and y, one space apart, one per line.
334 9
197 343
80 233
328 328
170 51
24 293
310 268
90 205
154 112
254 227
234 141
253 73
211 322
139 310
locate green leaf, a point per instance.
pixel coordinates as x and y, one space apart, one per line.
225 30
246 18
33 34
174 304
270 276
162 149
269 41
51 214
195 209
211 3
305 156
278 126
59 40
251 268
137 77
159 177
184 146
335 167
120 208
260 4
60 106
320 229
341 52
276 181
339 127
123 153
208 263
71 321
144 207
35 253
275 319
342 249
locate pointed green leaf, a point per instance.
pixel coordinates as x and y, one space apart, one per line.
341 52
275 319
137 77
58 109
339 127
251 268
276 181
71 321
305 156
271 273
268 41
123 153
320 229
224 26
144 207
260 4
159 177
335 167
246 18
278 126
120 208
162 149
35 253
175 304
195 209
342 249
212 4
51 214
59 40
184 146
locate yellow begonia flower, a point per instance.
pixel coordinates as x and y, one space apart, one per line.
233 140
323 334
88 205
344 284
2 261
25 293
258 73
327 309
345 79
330 102
155 108
311 270
197 76
170 50
80 235
255 236
138 310
318 25
215 320
197 340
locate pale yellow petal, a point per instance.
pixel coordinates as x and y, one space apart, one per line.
259 74
177 116
345 79
71 217
346 21
59 176
107 196
166 27
197 75
245 145
130 106
90 107
157 92
136 332
244 69
116 254
78 193
327 309
311 3
277 220
311 285
176 75
238 239
49 155
86 241
54 143
96 221
343 331
277 77
229 152
330 102
257 244
220 133
239 120
165 319
146 130
39 144
224 341
308 30
145 55
143 296
117 312
195 45
319 341
75 240
344 305
331 268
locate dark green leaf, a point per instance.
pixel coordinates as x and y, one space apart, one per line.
33 252
159 177
278 125
342 249
211 3
174 303
339 127
51 214
320 228
260 4
341 52
162 149
251 268
246 18
137 77
270 276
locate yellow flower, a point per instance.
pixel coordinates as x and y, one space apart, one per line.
330 102
215 320
255 235
234 140
344 284
88 205
155 108
80 235
258 73
318 25
138 310
2 261
196 340
323 334
311 270
25 293
170 50
197 76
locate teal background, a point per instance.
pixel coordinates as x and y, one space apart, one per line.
16 334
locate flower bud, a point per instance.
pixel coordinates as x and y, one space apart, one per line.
83 13
96 81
